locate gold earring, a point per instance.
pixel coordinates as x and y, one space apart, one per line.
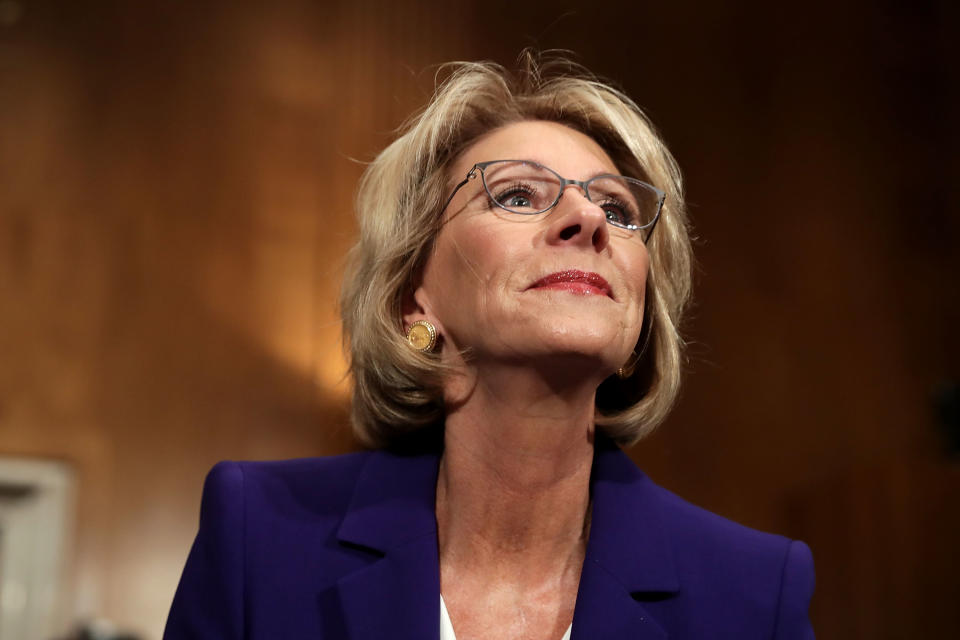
422 336
627 369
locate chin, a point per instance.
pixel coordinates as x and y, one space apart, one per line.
589 352
591 335
588 338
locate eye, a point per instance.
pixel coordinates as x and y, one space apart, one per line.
517 196
518 200
619 213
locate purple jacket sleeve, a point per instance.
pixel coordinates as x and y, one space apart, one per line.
796 589
209 600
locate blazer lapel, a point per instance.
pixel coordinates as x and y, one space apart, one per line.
392 516
628 554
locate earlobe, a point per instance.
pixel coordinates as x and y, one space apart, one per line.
411 310
415 312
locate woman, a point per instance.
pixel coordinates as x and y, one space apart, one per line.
511 313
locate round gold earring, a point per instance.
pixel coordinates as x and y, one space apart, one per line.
422 336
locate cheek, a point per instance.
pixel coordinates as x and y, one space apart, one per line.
637 268
466 267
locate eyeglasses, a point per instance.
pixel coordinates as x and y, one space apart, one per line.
529 188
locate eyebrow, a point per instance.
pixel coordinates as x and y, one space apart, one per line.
602 172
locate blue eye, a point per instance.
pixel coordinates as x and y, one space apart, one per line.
517 201
519 196
619 213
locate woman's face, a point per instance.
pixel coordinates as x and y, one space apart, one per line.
559 286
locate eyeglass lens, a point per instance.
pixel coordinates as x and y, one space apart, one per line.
528 188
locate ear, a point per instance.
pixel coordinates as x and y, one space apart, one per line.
415 306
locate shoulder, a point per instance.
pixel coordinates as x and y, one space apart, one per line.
309 483
698 574
282 516
265 548
289 469
632 507
720 562
695 530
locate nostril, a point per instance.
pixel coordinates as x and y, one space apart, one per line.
570 232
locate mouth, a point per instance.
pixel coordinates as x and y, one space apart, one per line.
575 281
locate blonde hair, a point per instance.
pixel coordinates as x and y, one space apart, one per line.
397 392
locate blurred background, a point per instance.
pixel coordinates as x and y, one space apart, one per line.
176 184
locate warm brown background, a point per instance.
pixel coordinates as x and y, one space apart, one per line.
175 202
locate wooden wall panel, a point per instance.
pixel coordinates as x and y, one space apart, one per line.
176 205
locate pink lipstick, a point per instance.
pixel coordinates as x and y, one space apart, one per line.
575 281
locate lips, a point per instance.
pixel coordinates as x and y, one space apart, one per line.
575 281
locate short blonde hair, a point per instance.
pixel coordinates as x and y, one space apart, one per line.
397 392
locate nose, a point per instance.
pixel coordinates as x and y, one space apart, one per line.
577 221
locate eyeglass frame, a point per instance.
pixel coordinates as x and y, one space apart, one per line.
564 183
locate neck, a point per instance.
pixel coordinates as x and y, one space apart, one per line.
514 482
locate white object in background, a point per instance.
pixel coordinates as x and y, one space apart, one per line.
35 528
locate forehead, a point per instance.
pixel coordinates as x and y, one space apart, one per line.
565 150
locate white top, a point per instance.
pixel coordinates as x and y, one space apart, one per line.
446 627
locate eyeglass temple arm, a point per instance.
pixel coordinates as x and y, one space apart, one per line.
457 188
655 220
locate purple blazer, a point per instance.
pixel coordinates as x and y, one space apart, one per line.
346 547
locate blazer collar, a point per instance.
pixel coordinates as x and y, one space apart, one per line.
392 514
627 536
393 501
628 557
